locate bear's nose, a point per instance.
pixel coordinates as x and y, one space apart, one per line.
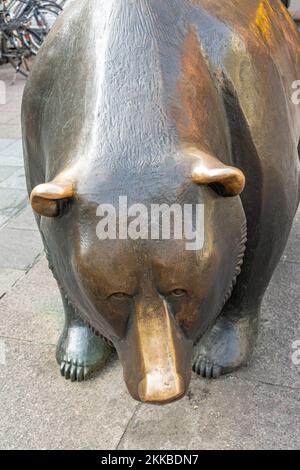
161 387
156 355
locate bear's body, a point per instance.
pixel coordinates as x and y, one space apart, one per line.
126 98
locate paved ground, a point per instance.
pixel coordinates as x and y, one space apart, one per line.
19 239
258 407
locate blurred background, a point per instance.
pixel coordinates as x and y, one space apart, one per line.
24 24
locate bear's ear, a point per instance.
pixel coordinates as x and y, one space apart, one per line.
228 180
46 199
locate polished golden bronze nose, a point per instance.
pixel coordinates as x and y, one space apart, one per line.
156 355
161 387
161 343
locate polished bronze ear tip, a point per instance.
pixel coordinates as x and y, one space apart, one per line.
45 198
209 170
51 209
56 189
231 179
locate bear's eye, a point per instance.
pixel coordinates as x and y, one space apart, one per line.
120 296
178 293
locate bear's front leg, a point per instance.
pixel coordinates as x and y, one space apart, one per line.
228 345
80 352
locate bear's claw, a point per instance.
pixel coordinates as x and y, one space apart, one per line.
80 353
74 370
226 347
206 369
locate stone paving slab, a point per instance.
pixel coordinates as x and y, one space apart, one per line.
14 120
16 180
12 201
4 218
225 414
14 150
292 252
25 220
8 278
15 258
10 130
10 160
5 143
6 117
19 248
33 311
6 172
41 410
280 327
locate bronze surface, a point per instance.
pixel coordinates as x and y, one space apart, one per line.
180 101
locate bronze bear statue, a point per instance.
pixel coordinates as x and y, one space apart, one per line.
164 102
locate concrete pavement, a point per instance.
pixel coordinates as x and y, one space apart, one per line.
19 239
256 407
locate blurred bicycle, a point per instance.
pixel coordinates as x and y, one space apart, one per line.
24 25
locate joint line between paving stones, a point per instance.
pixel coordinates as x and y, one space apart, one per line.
15 282
289 261
23 340
21 229
128 424
295 389
271 384
25 271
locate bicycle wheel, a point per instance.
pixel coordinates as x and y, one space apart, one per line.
43 18
39 23
31 40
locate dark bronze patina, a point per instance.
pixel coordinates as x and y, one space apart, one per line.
174 101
